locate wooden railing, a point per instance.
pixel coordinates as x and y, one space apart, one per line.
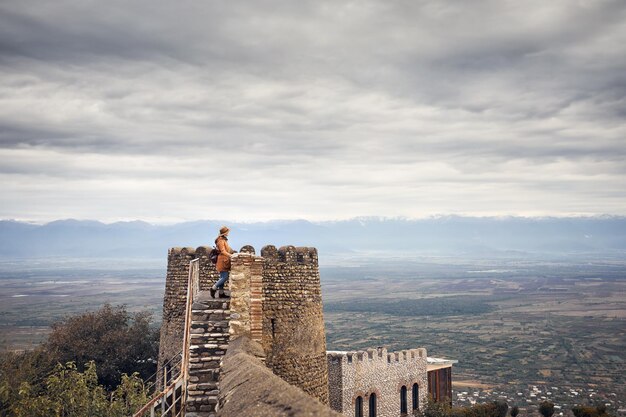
171 401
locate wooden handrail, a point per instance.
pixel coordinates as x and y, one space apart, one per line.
158 397
193 285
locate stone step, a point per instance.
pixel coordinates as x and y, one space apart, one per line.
210 324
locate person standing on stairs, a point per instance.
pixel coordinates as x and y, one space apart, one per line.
223 262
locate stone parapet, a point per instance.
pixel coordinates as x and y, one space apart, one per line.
290 254
378 354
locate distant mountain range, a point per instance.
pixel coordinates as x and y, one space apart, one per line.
449 235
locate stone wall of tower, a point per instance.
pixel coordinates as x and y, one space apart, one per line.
293 335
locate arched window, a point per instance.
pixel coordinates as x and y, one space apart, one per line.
403 407
372 405
416 396
358 407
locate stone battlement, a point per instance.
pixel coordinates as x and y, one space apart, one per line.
285 254
379 354
189 250
290 254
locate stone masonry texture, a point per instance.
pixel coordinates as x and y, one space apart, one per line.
209 343
293 335
246 295
353 374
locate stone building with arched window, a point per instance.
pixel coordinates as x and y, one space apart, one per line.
378 383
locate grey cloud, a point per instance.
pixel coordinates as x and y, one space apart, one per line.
316 105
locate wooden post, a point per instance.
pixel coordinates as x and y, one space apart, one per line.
164 400
174 402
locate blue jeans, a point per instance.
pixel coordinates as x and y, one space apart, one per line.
223 277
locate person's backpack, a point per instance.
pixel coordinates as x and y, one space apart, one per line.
213 255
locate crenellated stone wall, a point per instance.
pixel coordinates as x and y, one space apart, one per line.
354 374
293 335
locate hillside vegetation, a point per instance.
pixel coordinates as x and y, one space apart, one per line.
93 364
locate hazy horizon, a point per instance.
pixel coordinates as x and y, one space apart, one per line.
328 220
450 235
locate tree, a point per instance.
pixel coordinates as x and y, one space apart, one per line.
128 397
17 368
443 409
546 408
84 365
590 411
434 409
117 341
68 392
514 411
502 407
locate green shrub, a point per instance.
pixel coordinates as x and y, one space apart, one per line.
546 408
99 351
117 341
67 392
443 409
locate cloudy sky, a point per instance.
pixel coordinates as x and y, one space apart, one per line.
254 110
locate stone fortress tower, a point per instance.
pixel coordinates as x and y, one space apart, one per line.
275 304
277 296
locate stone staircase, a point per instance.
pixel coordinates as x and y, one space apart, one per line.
210 323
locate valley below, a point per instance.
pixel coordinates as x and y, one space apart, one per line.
522 330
